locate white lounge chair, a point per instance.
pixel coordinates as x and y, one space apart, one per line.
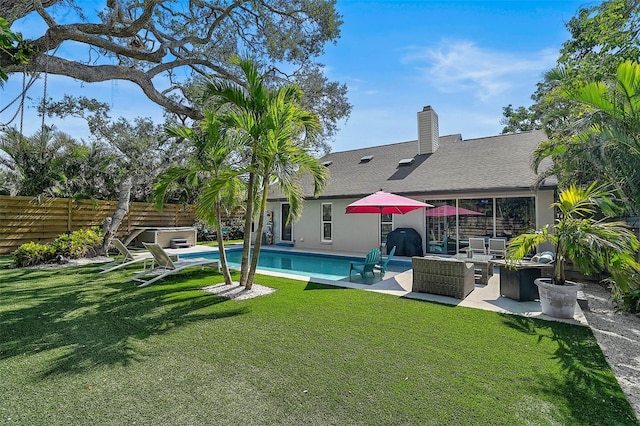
128 258
476 245
164 265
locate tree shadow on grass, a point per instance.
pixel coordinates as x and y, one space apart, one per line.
29 274
90 320
317 286
588 385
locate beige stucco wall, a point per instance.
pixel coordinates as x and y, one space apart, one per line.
355 233
544 213
358 233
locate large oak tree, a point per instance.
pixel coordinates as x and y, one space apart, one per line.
163 46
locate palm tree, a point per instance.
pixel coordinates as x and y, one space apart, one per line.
285 158
275 132
242 109
209 169
605 142
36 162
579 236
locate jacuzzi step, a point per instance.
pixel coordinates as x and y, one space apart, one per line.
179 243
285 244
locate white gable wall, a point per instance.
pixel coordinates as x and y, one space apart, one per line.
358 233
544 213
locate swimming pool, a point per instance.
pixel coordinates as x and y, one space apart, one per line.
330 267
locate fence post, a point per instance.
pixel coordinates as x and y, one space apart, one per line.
21 221
69 214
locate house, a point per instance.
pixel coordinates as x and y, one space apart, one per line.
490 177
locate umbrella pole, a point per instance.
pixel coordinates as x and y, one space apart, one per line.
380 230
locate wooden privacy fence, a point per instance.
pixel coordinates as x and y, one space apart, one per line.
22 220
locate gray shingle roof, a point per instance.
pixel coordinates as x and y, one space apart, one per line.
497 163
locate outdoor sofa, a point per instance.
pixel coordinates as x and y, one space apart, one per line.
445 276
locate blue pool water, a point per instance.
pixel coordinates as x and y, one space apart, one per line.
325 266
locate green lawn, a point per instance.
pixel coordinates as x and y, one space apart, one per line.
215 243
81 348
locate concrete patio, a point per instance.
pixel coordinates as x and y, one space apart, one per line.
485 297
399 284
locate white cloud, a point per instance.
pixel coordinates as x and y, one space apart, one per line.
454 66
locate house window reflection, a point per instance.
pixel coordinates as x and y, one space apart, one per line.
452 222
386 226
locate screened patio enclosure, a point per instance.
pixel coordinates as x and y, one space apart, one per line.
499 217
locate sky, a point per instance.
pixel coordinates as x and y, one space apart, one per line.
466 59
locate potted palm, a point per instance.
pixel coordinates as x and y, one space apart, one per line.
585 235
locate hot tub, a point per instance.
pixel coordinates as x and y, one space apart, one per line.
163 236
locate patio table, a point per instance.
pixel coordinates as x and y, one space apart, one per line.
482 264
517 279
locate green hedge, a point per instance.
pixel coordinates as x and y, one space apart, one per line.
75 245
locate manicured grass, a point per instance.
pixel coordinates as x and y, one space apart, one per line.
215 243
81 348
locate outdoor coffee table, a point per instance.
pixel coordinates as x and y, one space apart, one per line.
517 279
482 263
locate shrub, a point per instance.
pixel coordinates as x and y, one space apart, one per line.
77 244
30 254
624 284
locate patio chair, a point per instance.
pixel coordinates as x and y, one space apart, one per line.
164 265
497 247
372 259
128 258
476 245
445 276
382 266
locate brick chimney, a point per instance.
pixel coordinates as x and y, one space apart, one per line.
427 131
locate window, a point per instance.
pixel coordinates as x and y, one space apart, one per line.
286 230
405 161
515 216
449 229
441 226
386 226
478 224
327 224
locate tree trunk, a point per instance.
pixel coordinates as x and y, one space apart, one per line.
223 256
118 215
258 243
246 246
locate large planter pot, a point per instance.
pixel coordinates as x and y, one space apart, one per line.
557 301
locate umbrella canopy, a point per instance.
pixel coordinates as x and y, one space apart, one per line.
385 203
447 210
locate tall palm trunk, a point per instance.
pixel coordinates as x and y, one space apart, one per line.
258 243
223 256
122 208
246 246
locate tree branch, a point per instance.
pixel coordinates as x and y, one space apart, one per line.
93 74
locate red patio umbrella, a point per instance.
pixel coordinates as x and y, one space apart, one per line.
385 203
447 210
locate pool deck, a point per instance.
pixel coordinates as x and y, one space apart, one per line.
486 297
